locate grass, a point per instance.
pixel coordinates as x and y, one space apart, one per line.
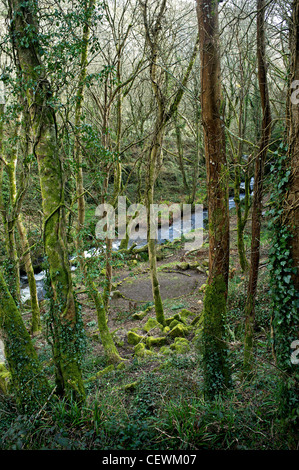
165 410
157 403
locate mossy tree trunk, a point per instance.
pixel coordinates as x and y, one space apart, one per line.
285 255
30 386
216 369
14 219
26 252
291 209
65 317
8 212
164 114
242 217
198 154
89 8
178 133
151 178
258 188
35 310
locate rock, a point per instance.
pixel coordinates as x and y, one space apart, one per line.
201 270
173 324
196 320
183 266
134 338
185 313
194 265
174 317
165 350
141 351
151 324
181 345
178 330
132 386
139 315
205 262
116 294
155 341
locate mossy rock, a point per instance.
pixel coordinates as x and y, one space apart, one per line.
193 265
151 324
116 294
185 313
201 269
141 351
198 319
183 266
178 331
153 341
134 338
131 386
166 329
173 324
205 262
181 345
166 351
174 317
5 377
139 315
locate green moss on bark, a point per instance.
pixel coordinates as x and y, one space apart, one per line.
30 386
215 353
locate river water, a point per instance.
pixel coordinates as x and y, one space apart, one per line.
180 227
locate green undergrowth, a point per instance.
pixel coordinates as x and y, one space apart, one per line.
158 409
156 401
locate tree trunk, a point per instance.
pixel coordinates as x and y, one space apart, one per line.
180 151
285 255
291 209
258 188
35 314
154 151
216 370
30 386
65 319
165 112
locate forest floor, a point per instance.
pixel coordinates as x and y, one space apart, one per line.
154 400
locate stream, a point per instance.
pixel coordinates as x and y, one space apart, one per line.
176 230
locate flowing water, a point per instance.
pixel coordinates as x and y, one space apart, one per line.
176 230
180 227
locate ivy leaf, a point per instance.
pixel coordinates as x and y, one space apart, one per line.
287 279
